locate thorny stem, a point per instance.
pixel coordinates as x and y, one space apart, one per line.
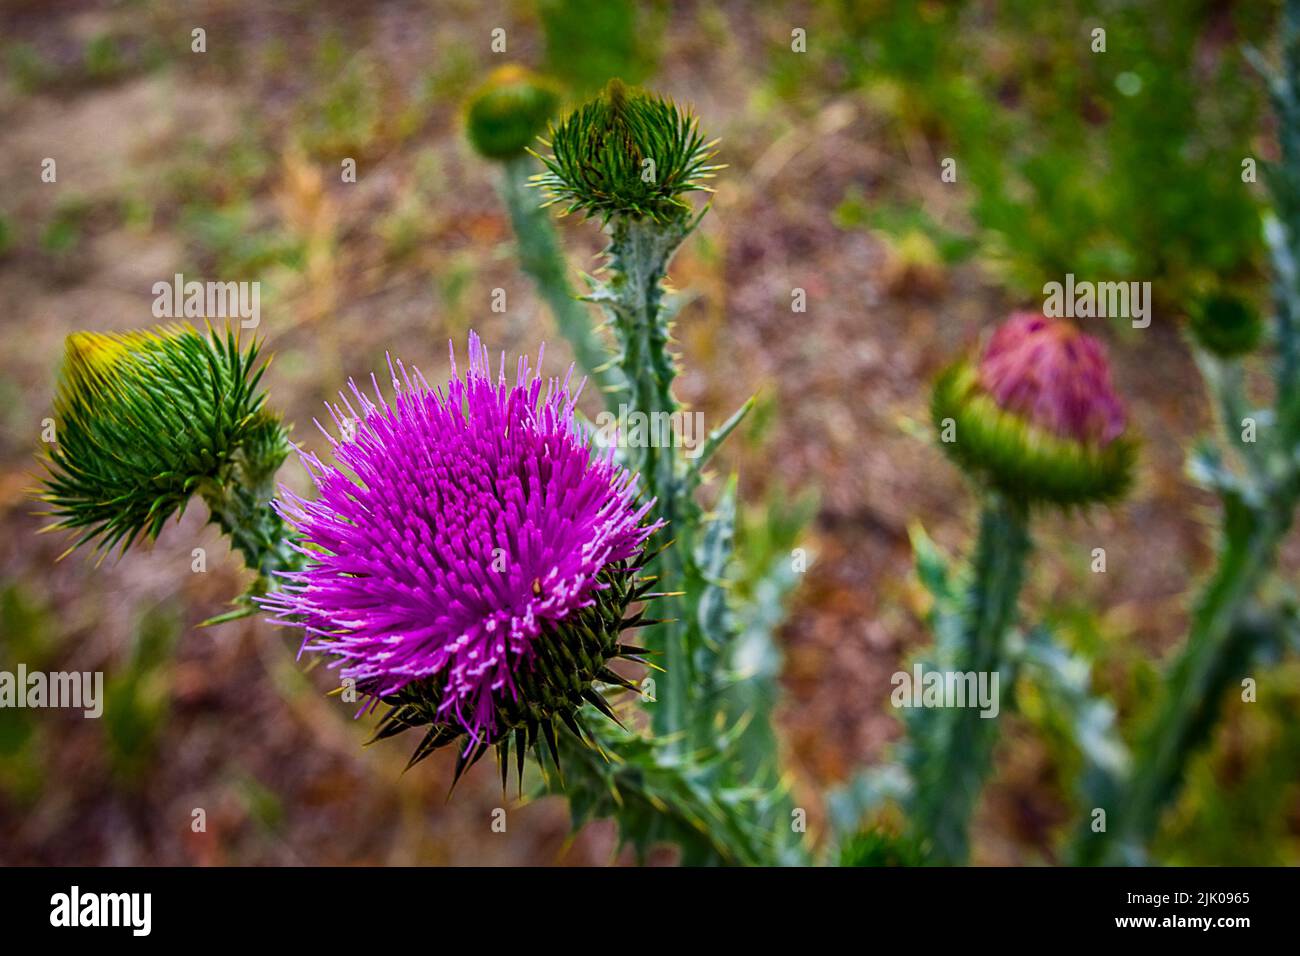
1226 633
240 505
950 778
1284 231
541 258
1224 637
638 258
688 703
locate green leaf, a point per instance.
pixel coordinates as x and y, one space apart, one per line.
1065 682
718 436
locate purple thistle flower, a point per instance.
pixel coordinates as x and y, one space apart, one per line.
1055 376
471 556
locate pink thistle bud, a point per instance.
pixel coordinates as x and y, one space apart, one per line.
1049 372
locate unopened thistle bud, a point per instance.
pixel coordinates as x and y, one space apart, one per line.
509 111
471 559
1226 325
145 420
627 153
1037 417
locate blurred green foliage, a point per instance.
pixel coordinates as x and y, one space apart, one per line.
61 240
411 222
356 107
26 626
27 68
903 220
345 112
212 193
262 804
138 696
63 233
769 544
104 58
1123 164
589 42
230 241
1239 808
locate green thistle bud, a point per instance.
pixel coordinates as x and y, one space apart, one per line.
508 112
145 420
880 848
1037 418
627 153
1226 325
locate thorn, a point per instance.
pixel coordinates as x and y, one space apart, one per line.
521 748
548 731
601 704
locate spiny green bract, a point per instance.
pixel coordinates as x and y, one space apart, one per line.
627 153
570 670
505 115
144 420
880 848
1020 459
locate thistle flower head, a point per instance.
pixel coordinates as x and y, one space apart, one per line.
627 153
471 557
1053 375
143 420
1226 325
508 112
1037 416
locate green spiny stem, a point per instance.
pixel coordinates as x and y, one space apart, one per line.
656 798
695 749
1222 642
240 505
254 529
639 253
1284 243
541 257
1225 635
628 158
950 774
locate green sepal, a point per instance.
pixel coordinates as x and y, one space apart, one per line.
570 662
1020 459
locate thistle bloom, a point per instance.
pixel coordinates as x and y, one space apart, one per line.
1038 417
471 557
145 420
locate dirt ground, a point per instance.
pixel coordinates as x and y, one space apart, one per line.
405 259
